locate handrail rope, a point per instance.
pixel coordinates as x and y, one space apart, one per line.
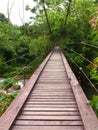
1 63
81 56
84 44
8 44
14 77
81 69
22 70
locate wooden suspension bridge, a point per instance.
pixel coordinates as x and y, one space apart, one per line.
51 99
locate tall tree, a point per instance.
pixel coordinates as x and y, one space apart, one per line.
67 13
46 15
9 9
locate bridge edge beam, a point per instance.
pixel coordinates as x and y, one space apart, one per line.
88 116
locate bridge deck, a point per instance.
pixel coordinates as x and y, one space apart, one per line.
51 100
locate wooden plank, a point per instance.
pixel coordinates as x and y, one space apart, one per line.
53 77
52 64
52 92
52 84
52 95
50 106
56 85
54 67
9 116
49 109
48 93
49 89
53 87
49 97
40 113
60 66
67 100
48 128
52 81
55 73
65 88
49 118
38 91
51 102
45 123
88 116
54 70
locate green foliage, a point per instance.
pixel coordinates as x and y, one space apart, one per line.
6 84
5 101
34 41
94 70
94 104
96 1
3 18
94 74
30 41
15 42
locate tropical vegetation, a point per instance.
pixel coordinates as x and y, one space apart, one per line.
71 24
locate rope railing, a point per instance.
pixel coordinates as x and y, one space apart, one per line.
1 63
81 56
93 46
14 77
81 69
20 71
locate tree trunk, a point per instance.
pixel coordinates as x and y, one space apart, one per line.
43 4
9 9
66 17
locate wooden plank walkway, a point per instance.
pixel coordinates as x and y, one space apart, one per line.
51 100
